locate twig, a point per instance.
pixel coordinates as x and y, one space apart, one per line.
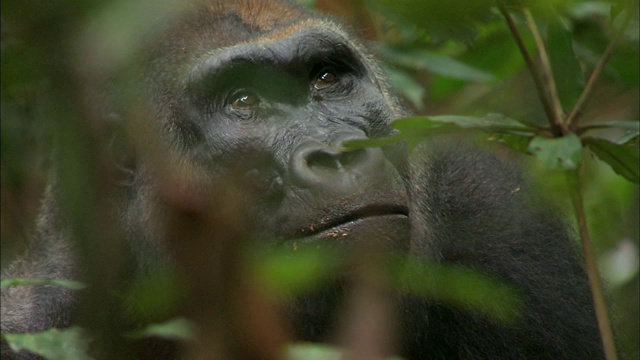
604 325
547 74
533 69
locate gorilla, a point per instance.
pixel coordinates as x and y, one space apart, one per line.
272 91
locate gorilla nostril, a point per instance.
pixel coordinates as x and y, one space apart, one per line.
324 159
353 157
314 164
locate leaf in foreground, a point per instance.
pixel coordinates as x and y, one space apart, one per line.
559 153
53 344
178 328
69 284
312 351
459 286
623 159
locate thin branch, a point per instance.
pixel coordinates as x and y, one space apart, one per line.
546 73
599 303
533 70
597 72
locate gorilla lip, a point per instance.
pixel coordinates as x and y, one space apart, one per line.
341 226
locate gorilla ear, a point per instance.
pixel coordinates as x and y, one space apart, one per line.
120 151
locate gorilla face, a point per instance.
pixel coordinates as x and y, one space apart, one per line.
277 112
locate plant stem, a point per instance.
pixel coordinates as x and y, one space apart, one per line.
533 69
546 73
600 306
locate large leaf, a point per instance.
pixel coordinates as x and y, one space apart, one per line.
435 63
292 271
566 69
559 153
315 351
410 88
623 159
53 344
628 125
458 286
414 130
443 20
69 284
178 328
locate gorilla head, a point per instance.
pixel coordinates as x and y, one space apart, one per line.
270 93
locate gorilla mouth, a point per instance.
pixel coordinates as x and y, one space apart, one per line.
362 213
387 224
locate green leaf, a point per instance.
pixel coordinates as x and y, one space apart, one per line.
69 284
559 153
315 351
411 89
435 63
295 270
374 142
154 296
414 130
178 328
310 351
623 159
53 344
444 21
488 122
458 286
628 125
566 68
519 142
630 138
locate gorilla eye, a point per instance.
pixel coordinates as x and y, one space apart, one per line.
326 78
243 100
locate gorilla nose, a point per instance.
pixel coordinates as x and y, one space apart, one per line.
333 167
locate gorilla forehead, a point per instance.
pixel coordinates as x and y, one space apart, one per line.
221 23
294 52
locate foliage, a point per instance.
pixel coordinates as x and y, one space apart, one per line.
52 344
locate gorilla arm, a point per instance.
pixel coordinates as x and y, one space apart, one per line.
470 208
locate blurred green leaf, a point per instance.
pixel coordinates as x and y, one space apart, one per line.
435 63
53 344
294 270
315 351
630 138
69 284
155 296
408 86
566 69
623 159
178 328
421 127
458 286
454 19
518 142
629 125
